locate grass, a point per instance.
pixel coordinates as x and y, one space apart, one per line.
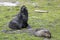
50 20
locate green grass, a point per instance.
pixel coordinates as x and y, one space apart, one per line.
50 20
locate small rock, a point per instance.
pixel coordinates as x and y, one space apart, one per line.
41 11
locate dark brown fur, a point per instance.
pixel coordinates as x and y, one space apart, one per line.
21 20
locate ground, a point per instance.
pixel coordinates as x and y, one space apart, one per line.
50 20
